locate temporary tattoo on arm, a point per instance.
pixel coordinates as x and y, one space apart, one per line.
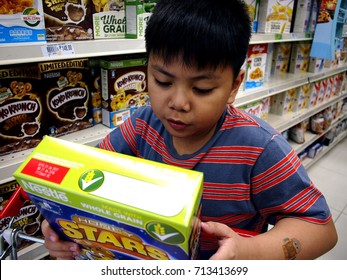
291 248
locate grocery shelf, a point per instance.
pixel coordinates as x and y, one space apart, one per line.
308 162
90 136
290 119
37 52
26 53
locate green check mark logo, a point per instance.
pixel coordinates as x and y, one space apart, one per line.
91 180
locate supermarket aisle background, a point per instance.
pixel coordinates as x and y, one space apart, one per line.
330 176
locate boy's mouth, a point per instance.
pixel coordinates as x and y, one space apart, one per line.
176 125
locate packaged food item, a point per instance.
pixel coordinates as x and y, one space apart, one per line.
253 8
120 207
95 89
21 108
21 21
283 102
254 108
275 16
124 87
269 58
315 64
28 218
67 97
255 68
137 14
265 108
281 58
68 20
297 133
108 19
300 56
317 124
301 17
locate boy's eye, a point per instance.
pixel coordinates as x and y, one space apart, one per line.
203 91
162 84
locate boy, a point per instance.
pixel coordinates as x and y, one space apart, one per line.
252 177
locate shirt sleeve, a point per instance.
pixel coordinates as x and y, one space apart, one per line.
282 188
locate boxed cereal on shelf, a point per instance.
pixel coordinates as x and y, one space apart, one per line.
27 217
281 58
275 16
21 22
123 87
108 19
301 17
283 102
67 100
255 67
68 20
254 108
95 89
269 57
137 14
299 58
21 108
315 64
253 9
120 207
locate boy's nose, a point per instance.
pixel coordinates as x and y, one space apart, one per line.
179 101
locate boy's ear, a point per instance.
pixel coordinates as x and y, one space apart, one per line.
236 86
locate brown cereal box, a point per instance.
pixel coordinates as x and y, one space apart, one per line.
68 20
21 108
95 89
108 19
124 87
28 217
65 85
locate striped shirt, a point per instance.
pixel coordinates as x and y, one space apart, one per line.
252 176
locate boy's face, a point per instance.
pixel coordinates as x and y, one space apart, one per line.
188 101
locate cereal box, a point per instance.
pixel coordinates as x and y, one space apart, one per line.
67 99
283 102
301 16
253 8
95 89
137 14
68 20
123 87
108 19
255 68
275 16
21 108
254 108
315 64
281 58
21 21
300 57
120 207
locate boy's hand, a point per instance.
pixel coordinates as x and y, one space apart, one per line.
59 249
231 245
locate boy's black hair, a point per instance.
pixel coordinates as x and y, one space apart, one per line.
205 33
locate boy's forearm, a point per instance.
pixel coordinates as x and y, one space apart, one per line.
293 239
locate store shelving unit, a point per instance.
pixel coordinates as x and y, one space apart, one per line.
21 54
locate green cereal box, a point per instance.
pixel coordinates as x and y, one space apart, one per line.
115 206
137 14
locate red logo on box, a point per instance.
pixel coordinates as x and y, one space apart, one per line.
45 170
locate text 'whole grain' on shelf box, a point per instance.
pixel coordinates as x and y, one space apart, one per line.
108 19
21 22
113 205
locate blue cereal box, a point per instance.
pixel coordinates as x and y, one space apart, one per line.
21 21
114 206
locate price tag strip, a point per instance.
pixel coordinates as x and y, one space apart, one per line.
57 49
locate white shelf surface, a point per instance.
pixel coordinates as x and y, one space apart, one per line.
29 52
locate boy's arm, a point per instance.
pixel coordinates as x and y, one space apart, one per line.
290 238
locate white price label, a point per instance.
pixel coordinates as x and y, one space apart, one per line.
58 49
